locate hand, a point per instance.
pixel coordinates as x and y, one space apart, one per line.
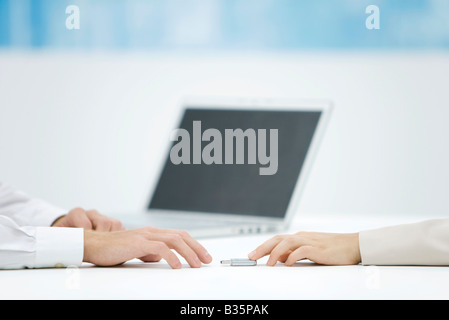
321 248
89 220
147 244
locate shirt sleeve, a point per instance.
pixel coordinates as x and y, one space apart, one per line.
422 243
26 238
39 247
25 210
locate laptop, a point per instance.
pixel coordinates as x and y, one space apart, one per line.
235 166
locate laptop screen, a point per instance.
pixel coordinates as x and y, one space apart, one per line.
243 162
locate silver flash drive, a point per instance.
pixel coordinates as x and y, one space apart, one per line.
239 262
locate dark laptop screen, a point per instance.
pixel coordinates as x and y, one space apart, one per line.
248 162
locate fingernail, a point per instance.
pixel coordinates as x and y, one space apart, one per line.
207 257
252 254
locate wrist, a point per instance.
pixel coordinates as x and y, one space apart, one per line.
88 245
356 246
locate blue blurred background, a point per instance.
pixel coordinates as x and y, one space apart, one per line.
224 24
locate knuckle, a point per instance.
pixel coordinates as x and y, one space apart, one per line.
103 221
175 238
140 234
183 234
116 222
160 246
149 229
77 210
99 218
145 232
305 250
71 214
290 241
304 235
279 237
139 242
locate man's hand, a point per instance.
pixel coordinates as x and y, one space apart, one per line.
89 220
147 244
321 248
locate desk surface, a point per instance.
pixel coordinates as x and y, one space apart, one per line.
305 280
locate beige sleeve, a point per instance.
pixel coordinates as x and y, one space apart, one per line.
423 243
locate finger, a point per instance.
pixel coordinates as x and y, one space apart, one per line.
288 244
161 249
265 248
151 258
304 252
99 223
114 224
176 242
103 223
122 226
199 250
284 257
79 219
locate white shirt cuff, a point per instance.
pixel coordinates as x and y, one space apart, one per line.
59 247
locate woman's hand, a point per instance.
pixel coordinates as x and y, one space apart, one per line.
321 248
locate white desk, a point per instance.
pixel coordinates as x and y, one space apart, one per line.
136 280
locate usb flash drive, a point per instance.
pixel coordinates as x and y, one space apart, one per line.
239 262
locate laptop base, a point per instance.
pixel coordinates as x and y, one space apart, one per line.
206 227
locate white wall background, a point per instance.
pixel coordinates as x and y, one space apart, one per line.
88 129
